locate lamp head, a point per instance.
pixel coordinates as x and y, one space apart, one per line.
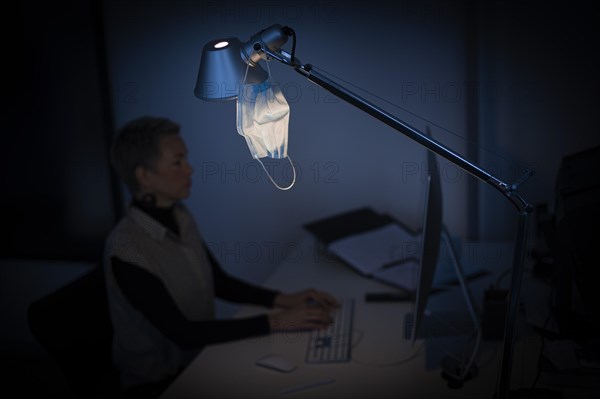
222 70
224 63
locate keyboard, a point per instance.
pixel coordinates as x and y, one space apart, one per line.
333 344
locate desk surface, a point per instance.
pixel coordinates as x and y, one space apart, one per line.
229 371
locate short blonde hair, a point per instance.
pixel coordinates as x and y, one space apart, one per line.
138 144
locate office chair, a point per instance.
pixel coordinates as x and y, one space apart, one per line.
73 325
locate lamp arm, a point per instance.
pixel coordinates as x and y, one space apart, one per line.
508 190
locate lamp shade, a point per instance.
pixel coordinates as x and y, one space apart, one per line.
222 70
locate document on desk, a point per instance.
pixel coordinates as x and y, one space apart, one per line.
376 249
391 254
406 274
403 276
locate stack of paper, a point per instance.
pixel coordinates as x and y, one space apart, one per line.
379 247
376 249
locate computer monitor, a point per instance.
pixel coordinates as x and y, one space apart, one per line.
457 370
433 236
430 243
572 237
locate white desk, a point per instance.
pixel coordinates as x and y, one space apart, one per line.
227 371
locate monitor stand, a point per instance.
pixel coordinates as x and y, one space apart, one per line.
444 324
456 369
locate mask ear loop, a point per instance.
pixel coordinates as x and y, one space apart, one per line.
271 178
258 159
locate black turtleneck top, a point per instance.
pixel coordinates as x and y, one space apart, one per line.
149 295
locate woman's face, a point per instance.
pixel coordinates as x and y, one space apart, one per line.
171 179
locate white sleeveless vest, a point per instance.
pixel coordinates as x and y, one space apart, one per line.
140 351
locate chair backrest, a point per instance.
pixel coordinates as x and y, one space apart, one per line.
73 325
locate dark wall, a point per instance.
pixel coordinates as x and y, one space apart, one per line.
56 180
539 98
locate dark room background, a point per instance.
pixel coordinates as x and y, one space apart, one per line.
509 85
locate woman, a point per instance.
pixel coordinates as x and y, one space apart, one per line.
161 278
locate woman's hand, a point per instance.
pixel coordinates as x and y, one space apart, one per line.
304 317
306 297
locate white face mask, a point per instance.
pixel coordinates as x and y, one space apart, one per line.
262 118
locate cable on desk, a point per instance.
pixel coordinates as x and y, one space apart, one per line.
410 357
465 370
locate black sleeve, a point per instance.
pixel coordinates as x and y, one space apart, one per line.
232 289
149 295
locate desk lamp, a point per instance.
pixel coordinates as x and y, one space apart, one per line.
228 62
